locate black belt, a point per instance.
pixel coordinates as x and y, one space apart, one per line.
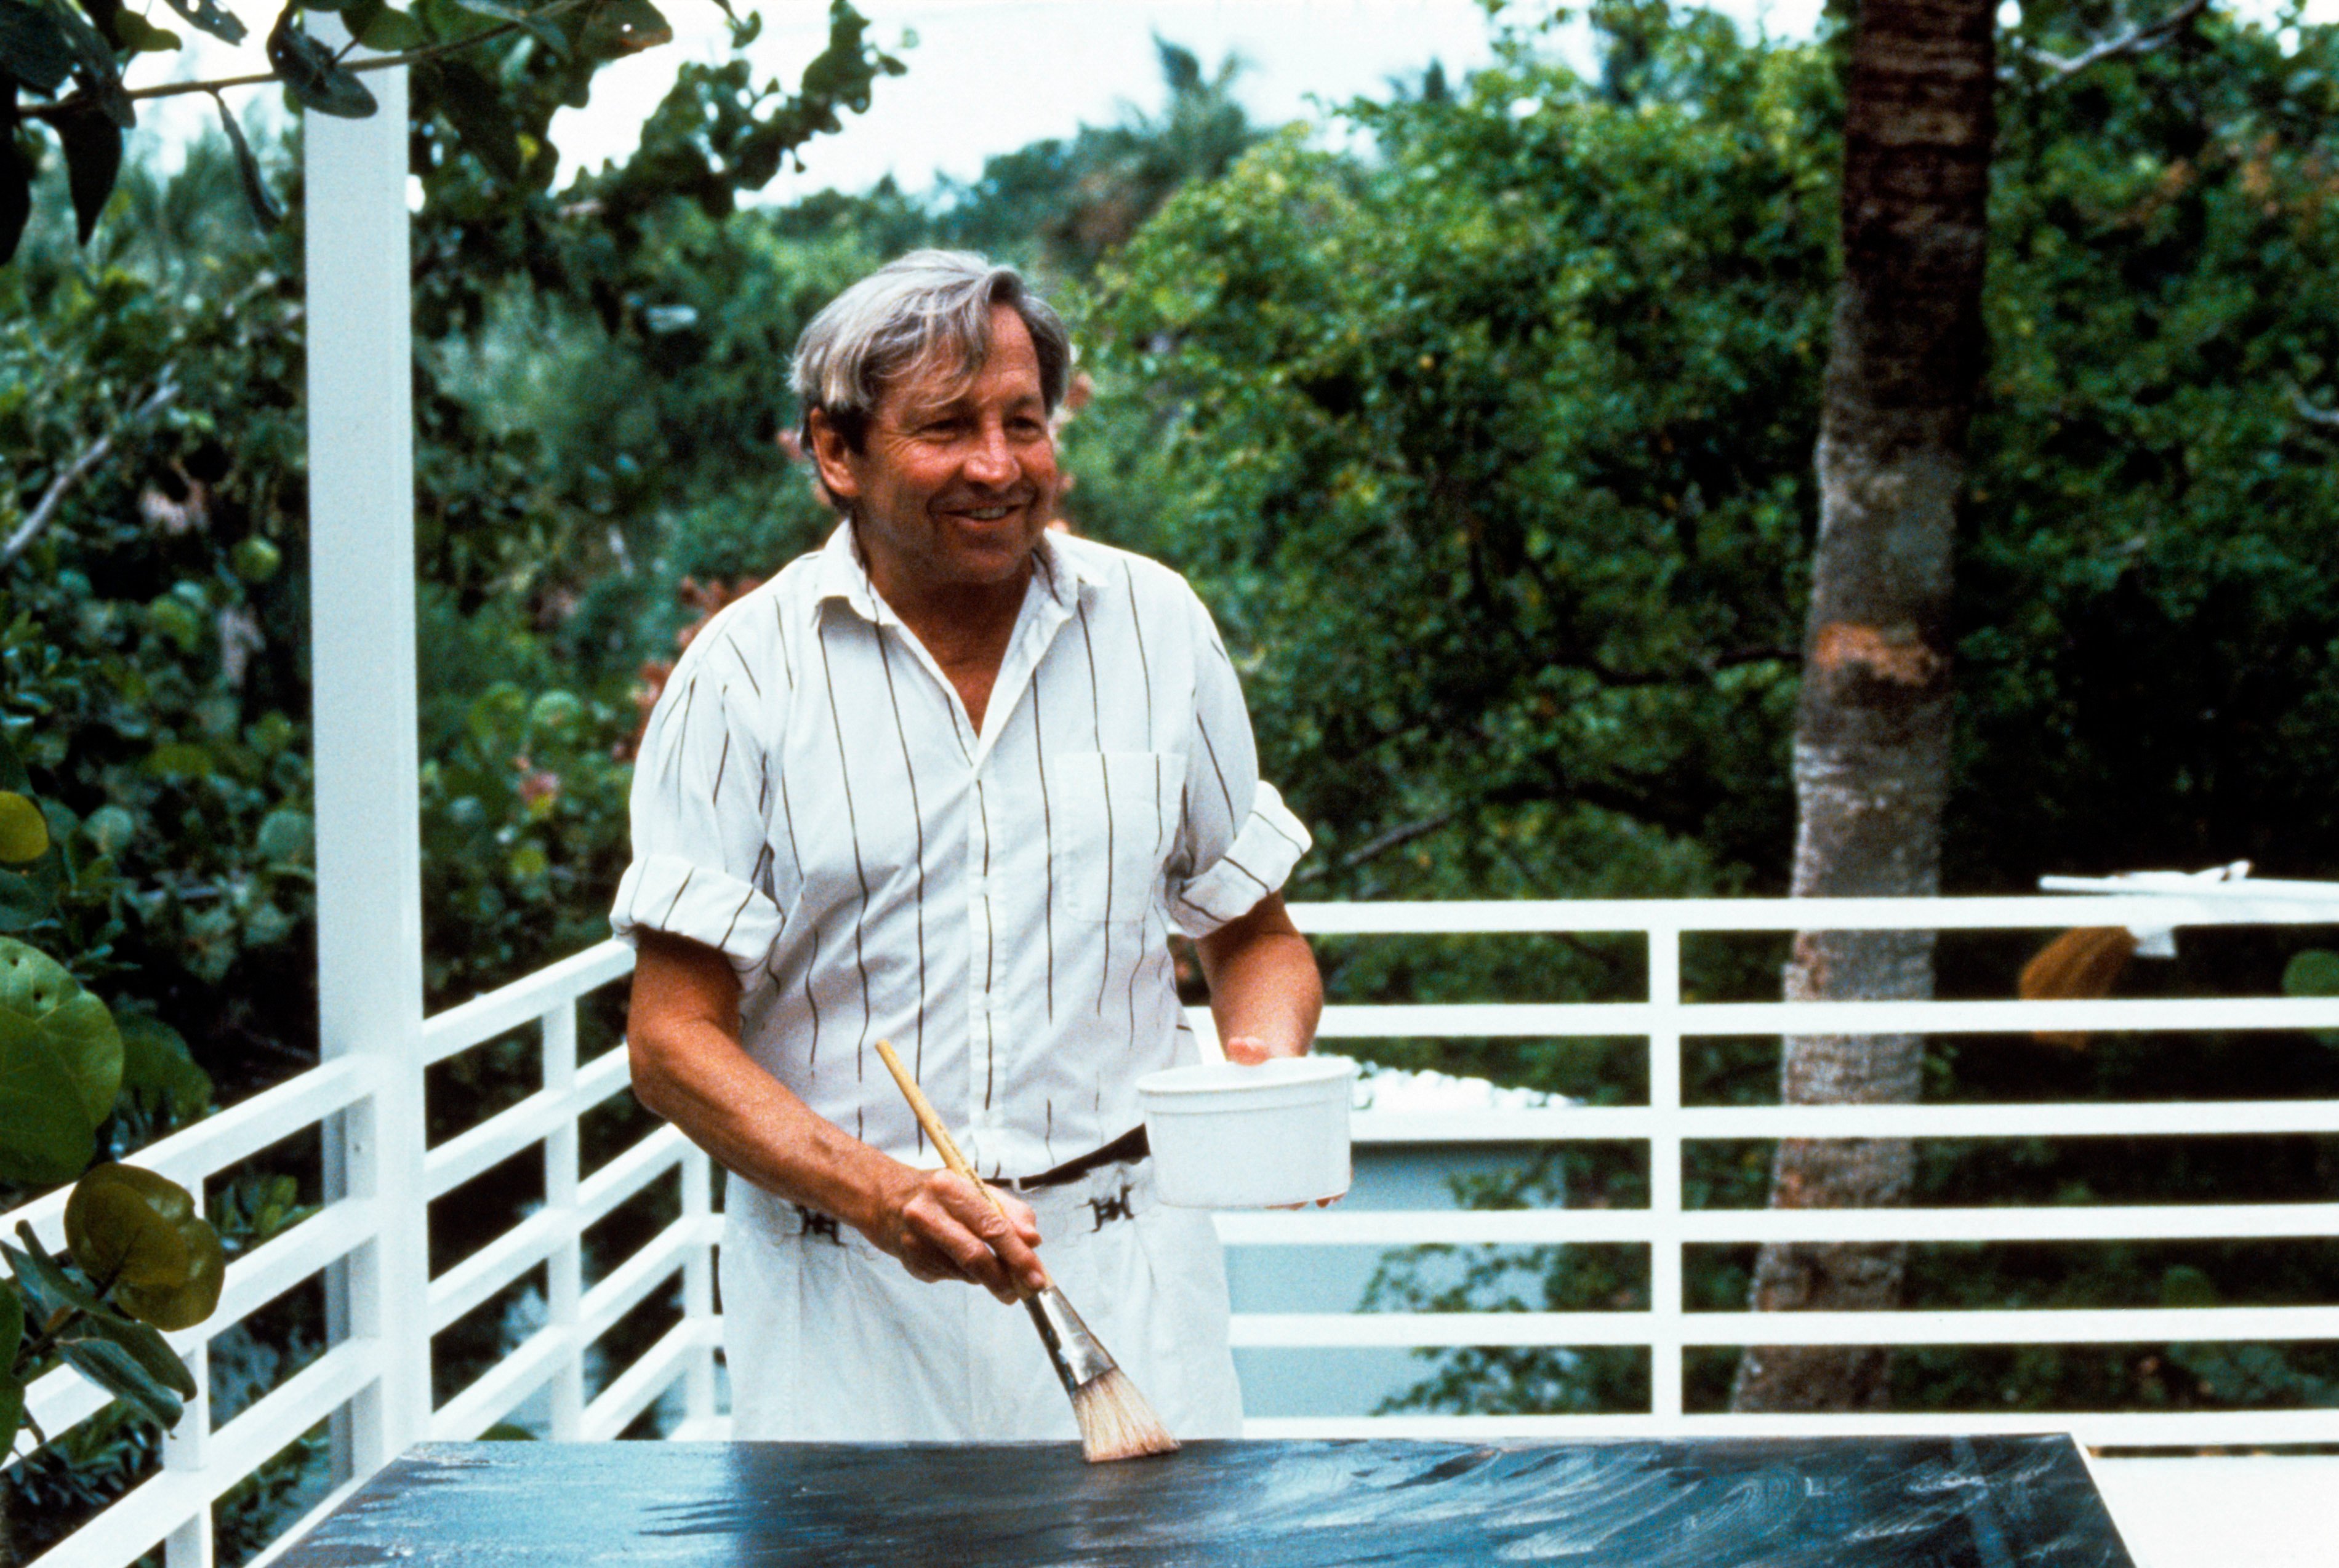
1130 1145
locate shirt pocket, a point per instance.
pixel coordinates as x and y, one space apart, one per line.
1116 813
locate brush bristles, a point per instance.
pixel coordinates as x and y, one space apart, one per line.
1116 1423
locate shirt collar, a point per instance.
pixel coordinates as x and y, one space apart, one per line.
1061 574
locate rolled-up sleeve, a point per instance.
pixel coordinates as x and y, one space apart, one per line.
1238 840
702 852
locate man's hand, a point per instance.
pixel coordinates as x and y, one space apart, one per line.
687 1066
940 1227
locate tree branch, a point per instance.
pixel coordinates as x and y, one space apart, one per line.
165 388
2138 40
72 102
1394 838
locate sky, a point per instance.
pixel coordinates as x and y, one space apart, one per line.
988 76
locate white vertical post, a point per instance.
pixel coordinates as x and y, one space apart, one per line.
1665 1326
564 1268
369 849
698 1287
186 1449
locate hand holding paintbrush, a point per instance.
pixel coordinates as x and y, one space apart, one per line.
1116 1423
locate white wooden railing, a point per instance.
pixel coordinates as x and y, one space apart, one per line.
350 1382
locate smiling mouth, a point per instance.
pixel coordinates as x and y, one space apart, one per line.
983 514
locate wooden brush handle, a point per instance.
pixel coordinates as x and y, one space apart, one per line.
924 1112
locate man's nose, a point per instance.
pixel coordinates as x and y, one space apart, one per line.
992 461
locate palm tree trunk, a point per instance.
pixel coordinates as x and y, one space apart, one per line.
1872 727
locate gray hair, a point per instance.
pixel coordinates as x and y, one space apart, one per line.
926 306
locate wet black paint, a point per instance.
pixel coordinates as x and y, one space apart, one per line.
1801 1503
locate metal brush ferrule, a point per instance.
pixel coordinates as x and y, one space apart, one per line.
1079 1359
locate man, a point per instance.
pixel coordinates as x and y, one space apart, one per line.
950 782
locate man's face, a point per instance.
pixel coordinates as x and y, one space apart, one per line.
956 480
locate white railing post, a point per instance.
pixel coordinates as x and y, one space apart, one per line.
362 654
1664 1172
185 1448
698 1285
564 1268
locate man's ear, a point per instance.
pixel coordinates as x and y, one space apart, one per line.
832 457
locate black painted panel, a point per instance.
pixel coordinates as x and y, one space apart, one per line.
1816 1503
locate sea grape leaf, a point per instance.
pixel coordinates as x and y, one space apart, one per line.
311 73
12 1333
127 1226
92 145
146 1347
23 830
118 1372
256 194
212 17
49 1291
44 1013
34 47
142 1234
184 1305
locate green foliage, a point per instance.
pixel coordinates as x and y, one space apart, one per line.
1494 454
60 1067
141 1232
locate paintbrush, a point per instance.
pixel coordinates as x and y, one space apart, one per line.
1116 1423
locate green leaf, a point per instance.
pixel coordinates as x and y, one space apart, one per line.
257 197
310 72
48 1289
213 18
2313 973
179 760
34 47
12 1406
184 1305
109 829
145 1344
132 31
156 1060
28 897
286 836
24 831
44 1138
480 116
92 140
47 1016
501 10
128 1225
12 1332
143 1233
630 26
116 1370
384 30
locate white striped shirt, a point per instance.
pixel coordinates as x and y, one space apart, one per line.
812 800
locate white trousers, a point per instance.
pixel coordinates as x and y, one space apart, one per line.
830 1340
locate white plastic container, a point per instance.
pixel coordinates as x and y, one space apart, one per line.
1227 1136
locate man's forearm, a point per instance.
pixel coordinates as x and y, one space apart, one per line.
1264 984
699 1078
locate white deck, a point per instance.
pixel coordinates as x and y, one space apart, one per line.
2252 1511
